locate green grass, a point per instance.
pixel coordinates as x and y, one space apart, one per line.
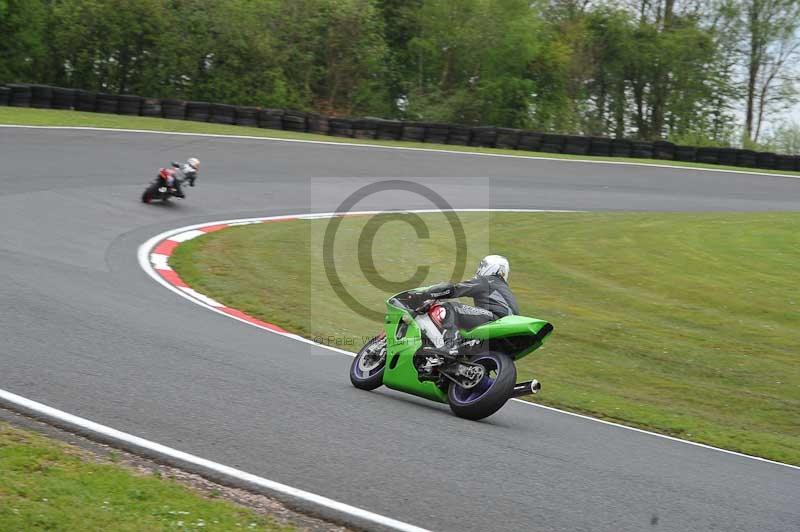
686 324
52 486
46 117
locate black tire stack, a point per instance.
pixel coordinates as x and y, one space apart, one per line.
436 133
413 132
642 149
621 148
390 130
600 146
221 113
552 143
577 145
529 141
686 153
45 97
507 138
198 111
318 124
340 127
295 121
727 156
130 105
152 107
41 96
246 116
784 162
85 101
746 158
663 150
173 109
365 128
707 155
459 135
20 95
483 137
106 103
765 160
270 118
63 98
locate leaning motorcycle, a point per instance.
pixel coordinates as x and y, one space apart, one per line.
476 378
163 187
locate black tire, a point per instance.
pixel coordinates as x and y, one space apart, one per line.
492 398
151 107
63 98
173 109
85 101
222 113
363 373
106 103
198 111
149 193
20 95
129 105
41 96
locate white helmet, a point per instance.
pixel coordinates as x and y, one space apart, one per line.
493 265
194 163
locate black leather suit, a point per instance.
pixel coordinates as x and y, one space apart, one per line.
491 294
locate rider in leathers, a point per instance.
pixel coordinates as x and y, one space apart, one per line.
490 292
187 172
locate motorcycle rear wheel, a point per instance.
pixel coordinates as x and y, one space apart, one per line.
366 371
491 393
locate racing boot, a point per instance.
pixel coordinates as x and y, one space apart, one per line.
451 340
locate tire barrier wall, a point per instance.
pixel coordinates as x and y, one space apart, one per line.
47 97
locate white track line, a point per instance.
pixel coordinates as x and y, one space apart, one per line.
408 148
204 301
145 264
163 450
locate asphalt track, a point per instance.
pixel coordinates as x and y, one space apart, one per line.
86 331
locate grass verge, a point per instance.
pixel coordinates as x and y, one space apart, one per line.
46 485
685 324
46 117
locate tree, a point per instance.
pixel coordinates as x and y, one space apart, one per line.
110 45
22 25
485 62
770 28
786 138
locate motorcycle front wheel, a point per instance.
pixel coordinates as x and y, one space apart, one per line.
491 393
366 371
149 193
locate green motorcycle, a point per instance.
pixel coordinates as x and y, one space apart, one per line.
476 378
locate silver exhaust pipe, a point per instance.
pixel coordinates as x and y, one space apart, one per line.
526 388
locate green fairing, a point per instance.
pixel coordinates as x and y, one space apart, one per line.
401 374
509 327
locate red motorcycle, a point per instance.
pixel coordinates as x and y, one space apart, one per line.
166 185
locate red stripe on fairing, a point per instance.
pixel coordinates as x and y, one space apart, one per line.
212 228
165 247
172 278
250 319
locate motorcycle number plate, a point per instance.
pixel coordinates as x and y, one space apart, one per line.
162 189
